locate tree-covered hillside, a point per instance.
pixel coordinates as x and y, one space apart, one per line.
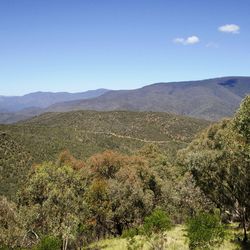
15 162
87 132
84 133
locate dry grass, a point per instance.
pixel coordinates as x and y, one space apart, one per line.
176 240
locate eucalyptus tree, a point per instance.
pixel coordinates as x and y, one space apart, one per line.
219 160
54 193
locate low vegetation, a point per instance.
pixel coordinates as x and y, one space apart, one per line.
175 239
205 231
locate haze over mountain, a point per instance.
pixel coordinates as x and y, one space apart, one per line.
210 99
16 108
43 99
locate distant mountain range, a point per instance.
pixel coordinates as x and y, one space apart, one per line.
43 99
16 108
209 99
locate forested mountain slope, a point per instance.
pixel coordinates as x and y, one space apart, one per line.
84 133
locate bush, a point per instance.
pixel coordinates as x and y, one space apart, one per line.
205 231
130 233
133 242
153 231
157 222
49 243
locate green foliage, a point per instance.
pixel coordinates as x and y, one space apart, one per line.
155 227
219 163
55 196
131 235
80 201
241 121
157 222
175 240
189 199
85 133
11 228
15 162
130 232
153 231
205 231
49 243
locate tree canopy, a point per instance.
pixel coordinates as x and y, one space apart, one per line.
219 160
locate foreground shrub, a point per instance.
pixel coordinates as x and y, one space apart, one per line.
157 222
155 227
205 231
134 241
131 232
153 231
49 243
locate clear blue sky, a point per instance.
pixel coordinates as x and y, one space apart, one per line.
76 45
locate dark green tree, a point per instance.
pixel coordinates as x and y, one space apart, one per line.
219 160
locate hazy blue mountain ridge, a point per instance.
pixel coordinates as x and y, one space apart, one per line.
210 99
43 99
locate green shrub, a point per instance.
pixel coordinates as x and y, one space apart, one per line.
205 231
152 234
49 243
4 248
157 222
129 233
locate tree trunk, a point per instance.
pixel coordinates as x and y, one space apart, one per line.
244 225
66 244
